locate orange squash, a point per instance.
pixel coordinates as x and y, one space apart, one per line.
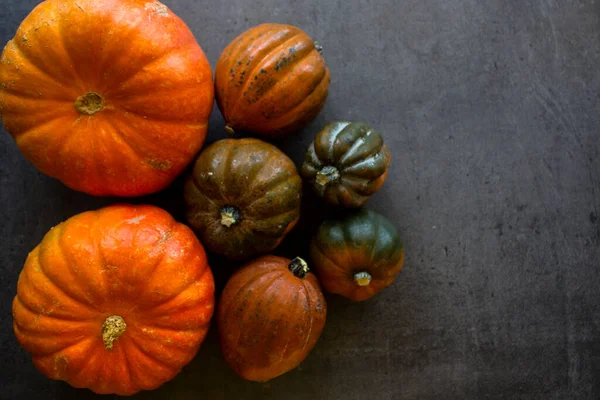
271 81
115 300
112 97
270 316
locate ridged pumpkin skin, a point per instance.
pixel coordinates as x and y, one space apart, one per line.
112 97
243 197
357 256
271 81
269 318
123 266
346 163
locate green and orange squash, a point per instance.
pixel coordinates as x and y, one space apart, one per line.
243 197
346 163
357 255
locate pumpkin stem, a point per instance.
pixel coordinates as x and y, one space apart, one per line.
89 104
319 47
229 129
298 267
113 328
326 176
362 278
230 215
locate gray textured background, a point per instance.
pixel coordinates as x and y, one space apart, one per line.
492 112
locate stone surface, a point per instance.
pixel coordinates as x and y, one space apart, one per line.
492 112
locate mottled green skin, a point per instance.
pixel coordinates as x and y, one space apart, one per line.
360 156
258 180
363 241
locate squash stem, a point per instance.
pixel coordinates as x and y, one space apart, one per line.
362 278
230 215
326 176
112 329
298 267
229 129
89 104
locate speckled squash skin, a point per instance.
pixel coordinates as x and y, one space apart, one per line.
115 300
243 197
112 97
357 256
269 318
346 163
271 81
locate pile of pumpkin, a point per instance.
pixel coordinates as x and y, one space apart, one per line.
112 97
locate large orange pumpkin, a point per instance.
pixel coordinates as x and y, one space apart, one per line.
271 81
112 97
271 314
115 300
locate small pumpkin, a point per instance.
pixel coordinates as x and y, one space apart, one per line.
270 316
357 256
271 81
346 163
115 300
243 197
112 97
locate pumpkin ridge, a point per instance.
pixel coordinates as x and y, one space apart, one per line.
374 241
225 194
92 355
172 348
111 124
312 319
196 185
369 156
90 307
270 186
246 299
124 81
263 231
307 99
19 136
79 341
150 356
360 141
254 173
152 311
100 171
250 282
258 66
163 242
17 47
63 36
133 379
326 256
281 79
237 45
34 312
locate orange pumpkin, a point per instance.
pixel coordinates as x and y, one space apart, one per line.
112 97
271 81
270 316
115 300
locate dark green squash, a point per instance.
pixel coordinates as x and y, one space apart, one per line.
346 163
243 197
357 256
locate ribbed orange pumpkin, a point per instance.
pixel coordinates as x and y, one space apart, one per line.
115 300
270 316
271 81
112 97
